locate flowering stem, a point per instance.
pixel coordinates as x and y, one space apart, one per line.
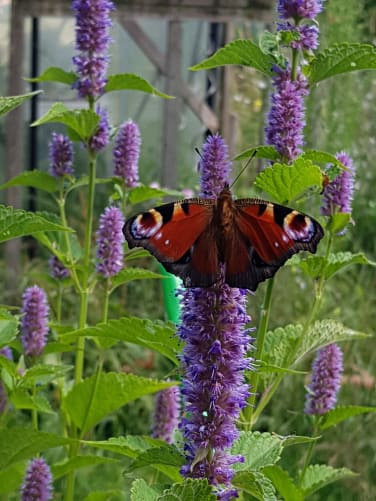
261 332
63 217
107 294
310 450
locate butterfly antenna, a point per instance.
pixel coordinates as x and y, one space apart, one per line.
243 169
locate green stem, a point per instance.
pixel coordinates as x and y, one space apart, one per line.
107 294
59 303
63 217
260 340
310 450
34 412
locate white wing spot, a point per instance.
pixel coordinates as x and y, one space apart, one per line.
167 242
285 238
276 244
158 236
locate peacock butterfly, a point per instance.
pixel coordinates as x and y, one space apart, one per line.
252 238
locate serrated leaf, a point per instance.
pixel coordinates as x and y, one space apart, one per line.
21 399
82 122
322 157
315 266
42 375
158 336
243 52
258 450
341 58
285 183
141 491
167 455
129 446
94 398
130 81
8 328
256 484
9 103
341 413
18 223
283 483
36 179
144 193
319 475
136 253
129 274
268 152
189 490
18 444
61 469
55 74
297 440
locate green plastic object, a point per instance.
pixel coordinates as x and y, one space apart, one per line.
170 284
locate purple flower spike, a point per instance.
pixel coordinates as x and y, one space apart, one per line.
34 321
102 137
110 242
57 269
166 413
92 40
286 118
61 155
5 352
127 152
339 193
327 369
308 35
214 356
298 9
37 485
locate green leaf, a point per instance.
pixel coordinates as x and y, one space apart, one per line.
267 368
319 475
36 179
341 58
297 440
338 222
136 253
144 193
256 484
129 446
108 495
41 375
157 335
283 483
166 459
341 413
9 103
82 122
18 223
141 491
55 74
18 444
314 266
21 399
8 328
130 81
61 469
322 157
189 490
243 52
258 450
287 182
91 400
268 152
130 274
11 478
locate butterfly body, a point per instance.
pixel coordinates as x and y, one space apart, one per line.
197 239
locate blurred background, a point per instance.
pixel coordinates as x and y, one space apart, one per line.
159 41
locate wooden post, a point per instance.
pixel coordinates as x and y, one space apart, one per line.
172 107
14 140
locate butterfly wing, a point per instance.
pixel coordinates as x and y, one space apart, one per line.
264 237
181 236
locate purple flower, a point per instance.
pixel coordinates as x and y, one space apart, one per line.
110 242
308 35
127 152
34 321
286 118
61 155
214 356
298 9
327 369
92 40
57 269
338 194
37 485
102 137
166 413
5 352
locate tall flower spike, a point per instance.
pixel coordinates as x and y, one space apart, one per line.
57 269
166 413
214 356
6 352
37 485
92 40
127 152
61 155
308 35
327 369
338 194
286 117
34 321
299 9
102 137
110 242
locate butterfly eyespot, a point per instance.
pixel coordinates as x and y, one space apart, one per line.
298 227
